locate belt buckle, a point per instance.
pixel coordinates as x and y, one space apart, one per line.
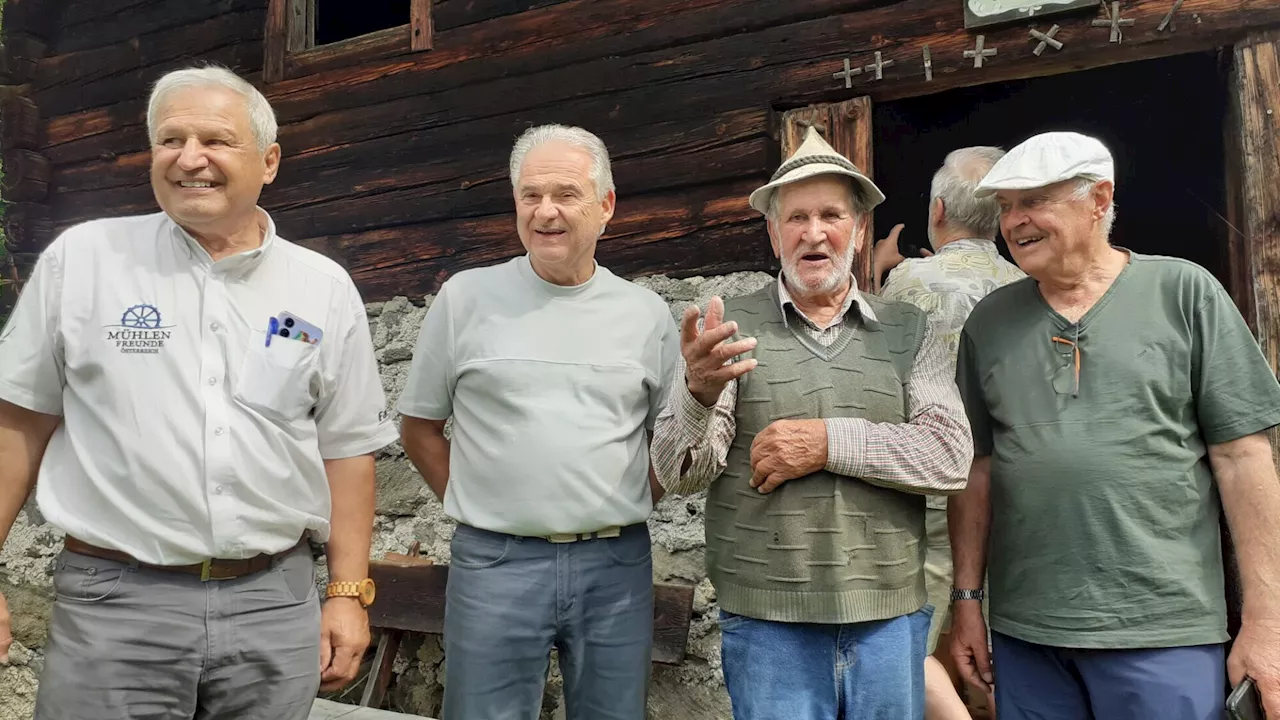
205 567
562 538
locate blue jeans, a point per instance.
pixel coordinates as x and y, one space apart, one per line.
806 671
511 599
1040 682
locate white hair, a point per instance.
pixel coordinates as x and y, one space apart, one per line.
601 171
858 201
1084 187
955 182
262 118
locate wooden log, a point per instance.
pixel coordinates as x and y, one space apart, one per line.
389 42
19 123
275 41
450 14
153 17
715 250
38 18
18 56
26 176
413 599
69 71
420 25
28 227
81 12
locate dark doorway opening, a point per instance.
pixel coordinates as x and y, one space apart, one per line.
343 19
1162 120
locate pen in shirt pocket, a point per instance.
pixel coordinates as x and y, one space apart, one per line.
272 326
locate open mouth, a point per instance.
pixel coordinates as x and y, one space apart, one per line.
813 257
1028 241
197 184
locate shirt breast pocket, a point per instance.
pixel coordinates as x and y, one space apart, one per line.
276 379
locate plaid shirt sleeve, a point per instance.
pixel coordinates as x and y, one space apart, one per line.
929 454
686 429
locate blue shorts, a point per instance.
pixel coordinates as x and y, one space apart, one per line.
1040 682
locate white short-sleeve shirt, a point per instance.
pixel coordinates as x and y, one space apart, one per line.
185 435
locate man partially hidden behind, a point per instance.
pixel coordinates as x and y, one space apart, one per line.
188 455
554 370
964 266
819 443
1114 398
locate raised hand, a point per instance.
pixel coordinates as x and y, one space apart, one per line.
707 350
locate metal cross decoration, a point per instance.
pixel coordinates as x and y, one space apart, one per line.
978 53
1046 39
847 74
879 66
1167 22
1113 21
928 65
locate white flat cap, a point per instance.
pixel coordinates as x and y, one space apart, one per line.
1046 159
813 157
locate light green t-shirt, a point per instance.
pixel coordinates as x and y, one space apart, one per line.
1105 529
553 392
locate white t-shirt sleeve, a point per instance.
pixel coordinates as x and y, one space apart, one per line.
31 352
669 354
428 392
353 419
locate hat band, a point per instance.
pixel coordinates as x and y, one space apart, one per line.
794 163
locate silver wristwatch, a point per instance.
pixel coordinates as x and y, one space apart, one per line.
967 594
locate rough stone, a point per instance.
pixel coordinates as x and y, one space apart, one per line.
408 512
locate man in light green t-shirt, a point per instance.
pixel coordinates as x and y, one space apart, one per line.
1114 398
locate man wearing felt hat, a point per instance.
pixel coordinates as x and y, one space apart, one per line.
818 418
1114 398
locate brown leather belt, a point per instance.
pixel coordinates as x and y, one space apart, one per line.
212 569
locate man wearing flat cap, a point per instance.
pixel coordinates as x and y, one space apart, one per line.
1118 401
818 418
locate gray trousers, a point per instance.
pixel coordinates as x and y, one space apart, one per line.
138 644
511 599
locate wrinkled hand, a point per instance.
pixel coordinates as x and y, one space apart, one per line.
344 636
786 450
1256 653
706 352
6 633
969 645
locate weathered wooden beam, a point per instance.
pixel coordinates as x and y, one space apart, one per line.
413 599
28 227
275 41
420 26
18 56
19 123
66 72
450 14
158 16
1257 96
26 176
81 12
38 18
301 24
390 42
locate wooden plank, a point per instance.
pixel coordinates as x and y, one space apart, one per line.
19 123
846 126
1237 252
26 176
301 24
124 26
80 12
413 599
1257 95
450 14
28 227
39 18
65 73
275 41
19 54
378 45
422 37
244 56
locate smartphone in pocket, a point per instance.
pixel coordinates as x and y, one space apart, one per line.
1244 702
295 328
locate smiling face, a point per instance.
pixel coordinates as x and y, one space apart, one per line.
1049 231
816 234
206 170
558 215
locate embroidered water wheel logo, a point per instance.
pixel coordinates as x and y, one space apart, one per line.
141 317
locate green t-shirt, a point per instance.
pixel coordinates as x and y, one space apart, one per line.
1104 527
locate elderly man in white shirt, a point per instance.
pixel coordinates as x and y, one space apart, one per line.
200 402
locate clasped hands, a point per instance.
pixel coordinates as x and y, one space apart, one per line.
786 449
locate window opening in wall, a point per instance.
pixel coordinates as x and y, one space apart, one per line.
337 20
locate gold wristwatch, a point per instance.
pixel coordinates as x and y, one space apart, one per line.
363 591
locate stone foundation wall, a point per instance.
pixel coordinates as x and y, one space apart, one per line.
408 512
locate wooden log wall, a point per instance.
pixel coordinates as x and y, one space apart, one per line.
395 162
28 27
